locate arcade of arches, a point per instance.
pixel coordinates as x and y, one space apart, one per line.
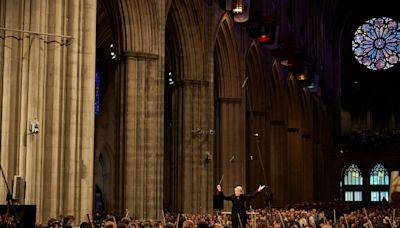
185 97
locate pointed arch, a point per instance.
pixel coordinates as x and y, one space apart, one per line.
379 183
352 183
133 17
257 127
293 103
226 60
306 112
186 46
256 79
277 95
352 175
186 39
104 176
378 175
229 105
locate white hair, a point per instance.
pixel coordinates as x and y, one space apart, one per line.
239 188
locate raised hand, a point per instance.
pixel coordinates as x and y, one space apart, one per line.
260 188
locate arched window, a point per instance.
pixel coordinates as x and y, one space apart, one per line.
379 181
353 176
353 181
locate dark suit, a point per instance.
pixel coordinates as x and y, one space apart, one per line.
238 207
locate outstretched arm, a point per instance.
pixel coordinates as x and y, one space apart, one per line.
253 195
219 189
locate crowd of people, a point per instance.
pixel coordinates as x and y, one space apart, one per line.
321 215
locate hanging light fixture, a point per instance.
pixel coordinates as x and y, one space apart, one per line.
239 7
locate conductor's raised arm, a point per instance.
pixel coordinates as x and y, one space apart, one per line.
251 196
219 189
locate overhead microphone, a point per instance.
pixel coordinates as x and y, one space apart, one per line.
245 82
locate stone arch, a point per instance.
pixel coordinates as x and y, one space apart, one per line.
139 17
226 59
138 28
278 139
104 175
256 79
295 152
306 131
229 107
306 112
278 109
185 35
192 110
294 103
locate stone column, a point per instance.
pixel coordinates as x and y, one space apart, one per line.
278 166
192 174
295 165
139 30
258 135
141 134
49 79
232 144
308 168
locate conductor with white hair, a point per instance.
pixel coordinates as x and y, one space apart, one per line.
239 216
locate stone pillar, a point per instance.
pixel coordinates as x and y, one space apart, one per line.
258 135
192 174
49 79
295 165
278 166
141 135
308 168
139 30
232 144
318 168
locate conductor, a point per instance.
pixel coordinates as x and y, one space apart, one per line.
238 216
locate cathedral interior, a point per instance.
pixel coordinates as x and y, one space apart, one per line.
146 105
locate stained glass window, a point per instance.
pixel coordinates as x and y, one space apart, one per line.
353 196
376 43
379 175
353 176
377 196
97 92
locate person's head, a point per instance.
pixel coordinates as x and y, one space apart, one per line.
202 225
69 219
126 220
238 190
85 225
110 224
188 224
122 225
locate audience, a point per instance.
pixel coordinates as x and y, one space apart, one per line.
317 215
